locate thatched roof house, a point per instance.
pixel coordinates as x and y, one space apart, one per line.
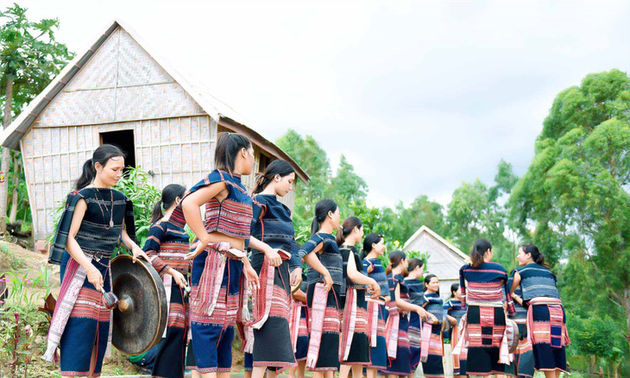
121 92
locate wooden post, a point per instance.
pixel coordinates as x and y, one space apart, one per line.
4 290
16 182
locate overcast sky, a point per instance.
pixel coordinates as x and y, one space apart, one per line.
418 96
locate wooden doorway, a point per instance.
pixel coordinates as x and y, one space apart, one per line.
123 139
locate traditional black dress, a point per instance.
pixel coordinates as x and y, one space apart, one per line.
166 246
272 224
355 347
546 324
81 322
377 313
324 320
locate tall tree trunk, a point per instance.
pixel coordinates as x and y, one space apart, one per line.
6 156
16 182
616 370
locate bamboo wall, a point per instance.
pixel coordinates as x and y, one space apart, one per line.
120 88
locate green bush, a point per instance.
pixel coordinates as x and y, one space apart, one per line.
23 328
136 184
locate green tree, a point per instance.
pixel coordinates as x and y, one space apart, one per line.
474 212
471 214
598 338
505 180
421 211
574 197
30 58
314 160
348 186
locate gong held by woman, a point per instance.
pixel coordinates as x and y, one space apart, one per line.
95 219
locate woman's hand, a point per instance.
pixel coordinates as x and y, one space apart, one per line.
179 278
328 282
296 276
138 252
273 257
95 278
426 316
252 277
375 290
517 299
199 247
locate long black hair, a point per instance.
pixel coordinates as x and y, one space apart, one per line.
169 195
228 146
101 155
346 228
476 254
454 288
322 209
368 241
395 258
414 263
537 256
427 281
276 168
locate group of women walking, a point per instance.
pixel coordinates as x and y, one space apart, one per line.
351 315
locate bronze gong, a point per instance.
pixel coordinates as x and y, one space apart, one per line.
296 287
513 335
142 312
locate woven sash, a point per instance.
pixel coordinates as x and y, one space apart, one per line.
426 341
207 293
349 320
294 322
391 330
559 336
318 310
372 310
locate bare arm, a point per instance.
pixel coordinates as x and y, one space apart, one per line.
259 245
403 304
132 246
452 320
300 296
312 261
272 255
515 282
190 207
361 279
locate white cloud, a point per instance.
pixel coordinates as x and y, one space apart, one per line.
418 96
